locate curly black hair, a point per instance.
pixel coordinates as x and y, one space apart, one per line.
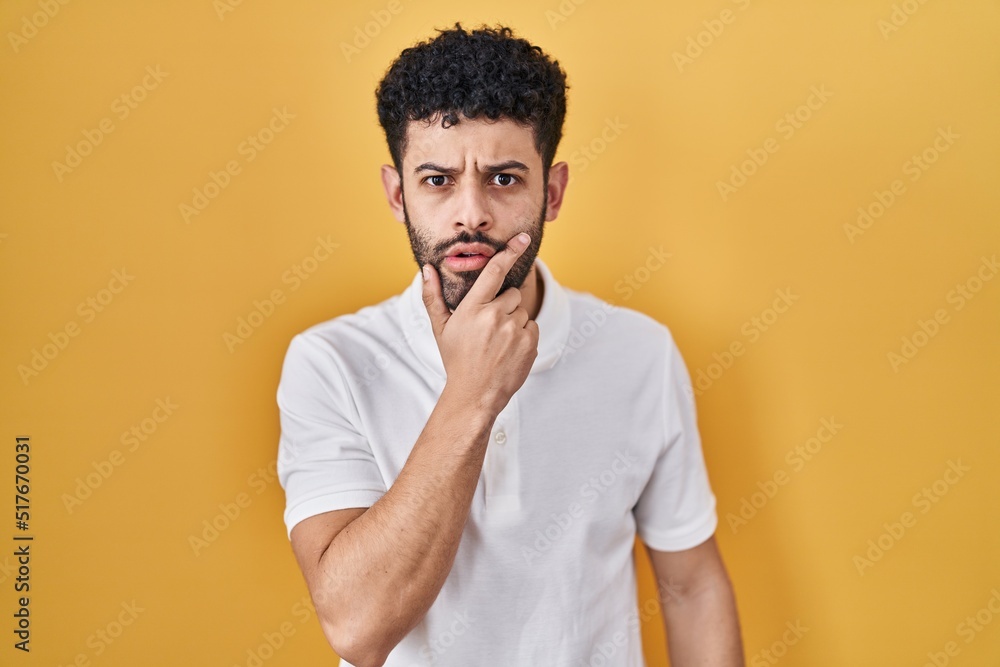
483 72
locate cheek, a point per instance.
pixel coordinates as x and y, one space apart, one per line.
424 209
512 209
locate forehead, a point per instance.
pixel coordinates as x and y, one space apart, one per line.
480 140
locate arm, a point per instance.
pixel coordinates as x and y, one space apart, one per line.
374 580
699 607
374 573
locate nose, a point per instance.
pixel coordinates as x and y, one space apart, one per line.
474 211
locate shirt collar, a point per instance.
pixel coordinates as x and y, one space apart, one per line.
553 323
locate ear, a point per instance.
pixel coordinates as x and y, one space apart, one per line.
393 191
558 180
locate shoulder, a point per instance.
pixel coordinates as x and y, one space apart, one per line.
321 360
351 332
589 313
616 342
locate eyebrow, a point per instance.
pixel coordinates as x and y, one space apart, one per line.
489 169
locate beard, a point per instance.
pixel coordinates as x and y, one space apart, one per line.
455 285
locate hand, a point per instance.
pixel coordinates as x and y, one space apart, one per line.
488 344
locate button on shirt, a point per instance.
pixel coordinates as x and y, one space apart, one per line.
599 444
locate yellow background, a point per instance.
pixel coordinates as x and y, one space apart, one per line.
681 129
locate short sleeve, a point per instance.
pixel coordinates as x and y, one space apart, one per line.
676 510
324 462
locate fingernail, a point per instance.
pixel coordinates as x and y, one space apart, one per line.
523 238
427 272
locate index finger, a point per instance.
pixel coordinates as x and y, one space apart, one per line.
489 281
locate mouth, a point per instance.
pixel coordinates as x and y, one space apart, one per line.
468 256
470 250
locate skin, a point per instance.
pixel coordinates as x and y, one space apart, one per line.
474 204
374 572
699 607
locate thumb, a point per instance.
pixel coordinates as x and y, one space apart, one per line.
433 300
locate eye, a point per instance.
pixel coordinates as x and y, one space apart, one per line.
433 180
511 179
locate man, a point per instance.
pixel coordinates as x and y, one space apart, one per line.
464 486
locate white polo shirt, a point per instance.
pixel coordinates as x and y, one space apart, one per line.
599 444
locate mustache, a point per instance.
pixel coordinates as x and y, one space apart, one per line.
465 237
